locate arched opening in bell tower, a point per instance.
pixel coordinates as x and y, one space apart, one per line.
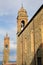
22 24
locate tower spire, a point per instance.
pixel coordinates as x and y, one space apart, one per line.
6 34
22 5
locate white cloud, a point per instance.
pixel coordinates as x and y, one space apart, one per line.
8 6
10 32
11 7
12 35
12 58
4 13
1 46
13 45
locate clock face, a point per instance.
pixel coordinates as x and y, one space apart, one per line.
6 46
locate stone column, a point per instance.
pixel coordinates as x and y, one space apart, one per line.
32 42
42 41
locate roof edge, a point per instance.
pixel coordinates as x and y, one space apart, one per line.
31 19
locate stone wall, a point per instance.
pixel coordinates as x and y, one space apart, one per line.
30 41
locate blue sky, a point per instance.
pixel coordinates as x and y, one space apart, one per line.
8 21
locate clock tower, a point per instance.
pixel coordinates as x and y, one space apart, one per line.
6 49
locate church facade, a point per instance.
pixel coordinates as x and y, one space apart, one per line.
30 38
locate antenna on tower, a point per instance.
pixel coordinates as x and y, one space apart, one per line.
22 5
6 34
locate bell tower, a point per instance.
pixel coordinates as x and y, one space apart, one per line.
22 19
6 49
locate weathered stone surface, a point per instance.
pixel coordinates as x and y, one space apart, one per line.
6 49
33 50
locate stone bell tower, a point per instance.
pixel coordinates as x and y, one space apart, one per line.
22 19
6 50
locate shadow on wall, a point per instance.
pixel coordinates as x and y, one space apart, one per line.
37 60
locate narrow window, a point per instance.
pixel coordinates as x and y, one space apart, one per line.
22 24
39 57
6 46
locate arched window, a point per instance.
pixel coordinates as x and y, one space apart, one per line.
22 24
39 57
6 46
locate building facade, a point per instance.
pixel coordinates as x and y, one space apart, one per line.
30 40
22 20
6 49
